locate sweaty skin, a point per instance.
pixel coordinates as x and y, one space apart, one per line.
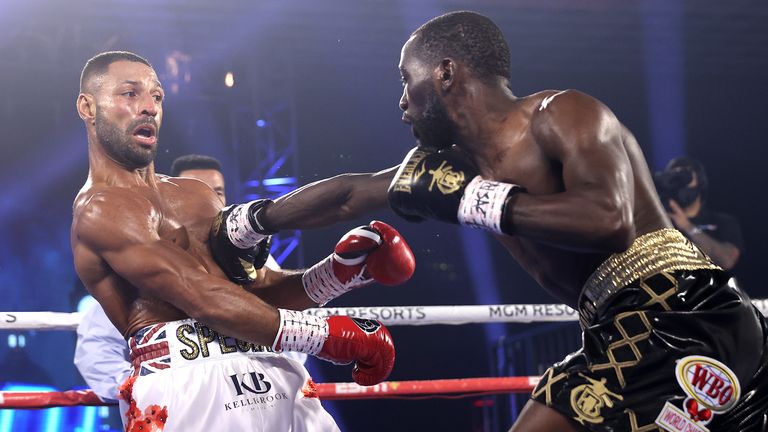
140 241
589 189
213 178
589 192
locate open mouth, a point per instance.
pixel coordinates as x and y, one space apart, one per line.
146 134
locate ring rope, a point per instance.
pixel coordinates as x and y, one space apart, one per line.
442 388
388 315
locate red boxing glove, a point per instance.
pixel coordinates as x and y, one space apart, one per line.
341 340
376 252
392 263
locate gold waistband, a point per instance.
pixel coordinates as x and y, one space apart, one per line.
663 250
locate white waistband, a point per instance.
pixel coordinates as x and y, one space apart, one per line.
182 343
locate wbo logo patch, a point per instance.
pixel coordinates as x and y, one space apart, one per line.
711 384
712 388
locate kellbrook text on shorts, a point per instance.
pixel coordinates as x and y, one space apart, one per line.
256 400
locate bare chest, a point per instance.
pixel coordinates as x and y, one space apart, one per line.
522 162
186 223
560 272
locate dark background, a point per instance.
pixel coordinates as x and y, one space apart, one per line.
687 77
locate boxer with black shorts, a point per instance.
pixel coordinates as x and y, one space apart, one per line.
670 341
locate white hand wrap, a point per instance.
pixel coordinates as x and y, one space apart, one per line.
239 229
482 204
322 285
300 332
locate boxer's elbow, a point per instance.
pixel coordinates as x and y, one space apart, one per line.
616 228
620 237
362 193
347 210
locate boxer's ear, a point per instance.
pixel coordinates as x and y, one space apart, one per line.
446 73
86 107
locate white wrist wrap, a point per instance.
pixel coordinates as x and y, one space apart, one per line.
300 332
482 204
239 229
322 285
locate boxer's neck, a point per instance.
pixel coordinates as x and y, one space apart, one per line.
482 111
105 170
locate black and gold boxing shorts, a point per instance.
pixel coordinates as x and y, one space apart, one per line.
670 344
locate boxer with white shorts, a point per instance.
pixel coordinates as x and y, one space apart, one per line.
154 249
188 377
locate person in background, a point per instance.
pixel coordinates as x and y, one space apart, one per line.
204 168
683 187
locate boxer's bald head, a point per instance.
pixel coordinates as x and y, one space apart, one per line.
98 65
464 36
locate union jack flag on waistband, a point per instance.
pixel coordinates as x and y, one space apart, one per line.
149 350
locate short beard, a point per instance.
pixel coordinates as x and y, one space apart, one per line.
119 146
435 128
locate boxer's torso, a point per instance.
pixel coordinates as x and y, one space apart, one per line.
181 212
560 271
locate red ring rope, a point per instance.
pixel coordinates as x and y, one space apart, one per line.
328 391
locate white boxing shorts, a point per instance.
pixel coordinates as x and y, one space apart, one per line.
188 377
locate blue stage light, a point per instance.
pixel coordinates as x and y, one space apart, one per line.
279 181
261 123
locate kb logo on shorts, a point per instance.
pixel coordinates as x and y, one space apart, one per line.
257 384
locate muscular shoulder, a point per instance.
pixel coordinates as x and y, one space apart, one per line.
184 184
187 186
108 216
572 116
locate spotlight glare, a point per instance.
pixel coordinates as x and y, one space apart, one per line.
261 123
85 303
229 79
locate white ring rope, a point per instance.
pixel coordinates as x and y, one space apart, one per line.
389 315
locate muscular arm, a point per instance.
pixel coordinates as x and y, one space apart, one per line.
281 288
594 211
121 228
328 201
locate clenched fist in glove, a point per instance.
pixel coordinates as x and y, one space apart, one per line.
446 186
374 252
341 340
239 244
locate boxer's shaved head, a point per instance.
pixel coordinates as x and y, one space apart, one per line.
98 65
466 36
